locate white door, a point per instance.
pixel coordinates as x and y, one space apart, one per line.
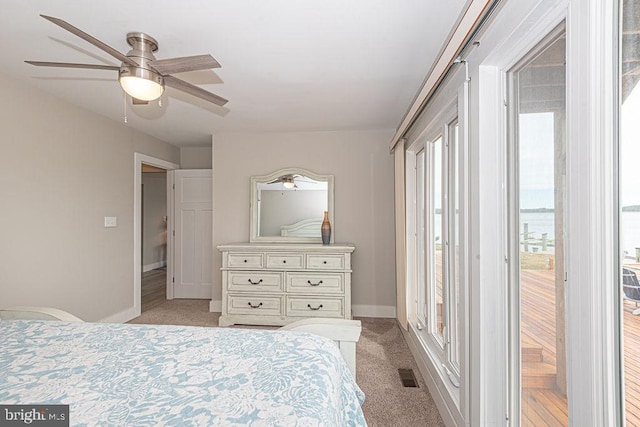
192 233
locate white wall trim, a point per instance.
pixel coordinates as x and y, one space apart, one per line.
170 237
384 311
215 306
121 316
149 267
432 381
138 160
592 267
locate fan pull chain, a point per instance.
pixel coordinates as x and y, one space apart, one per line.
124 106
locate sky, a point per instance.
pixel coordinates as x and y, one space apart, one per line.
536 155
630 149
536 160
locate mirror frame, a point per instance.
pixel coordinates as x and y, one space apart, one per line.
254 228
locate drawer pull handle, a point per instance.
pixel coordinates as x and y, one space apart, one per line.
245 260
314 309
284 261
314 284
324 262
256 306
255 283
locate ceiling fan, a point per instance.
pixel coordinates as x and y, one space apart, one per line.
141 75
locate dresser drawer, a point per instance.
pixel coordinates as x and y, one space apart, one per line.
315 283
244 260
285 260
258 305
325 262
314 307
254 281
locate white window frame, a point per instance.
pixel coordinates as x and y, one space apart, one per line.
430 282
442 350
422 310
593 362
592 354
513 207
453 312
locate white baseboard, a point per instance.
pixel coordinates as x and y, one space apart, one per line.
215 306
153 266
120 317
388 311
450 417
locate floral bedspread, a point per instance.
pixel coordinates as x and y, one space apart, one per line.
150 375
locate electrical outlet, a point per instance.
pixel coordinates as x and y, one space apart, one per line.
110 221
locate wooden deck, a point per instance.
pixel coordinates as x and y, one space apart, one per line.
547 406
632 364
542 403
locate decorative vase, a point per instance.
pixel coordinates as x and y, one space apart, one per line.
326 229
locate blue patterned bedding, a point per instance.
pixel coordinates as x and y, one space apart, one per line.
150 375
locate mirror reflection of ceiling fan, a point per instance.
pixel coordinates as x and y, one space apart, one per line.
289 181
140 74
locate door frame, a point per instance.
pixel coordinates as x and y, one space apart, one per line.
138 160
592 342
492 396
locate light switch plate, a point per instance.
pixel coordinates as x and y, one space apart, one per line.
110 221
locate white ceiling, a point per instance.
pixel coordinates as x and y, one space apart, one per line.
287 65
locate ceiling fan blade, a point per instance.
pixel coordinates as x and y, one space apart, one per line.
72 65
94 41
184 64
194 90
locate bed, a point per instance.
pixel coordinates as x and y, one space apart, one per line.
148 375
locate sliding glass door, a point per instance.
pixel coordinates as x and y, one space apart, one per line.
537 147
629 193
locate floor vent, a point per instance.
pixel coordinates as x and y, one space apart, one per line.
408 378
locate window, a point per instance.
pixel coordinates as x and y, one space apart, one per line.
433 163
421 307
436 242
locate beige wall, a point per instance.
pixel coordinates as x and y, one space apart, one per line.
154 226
62 170
363 170
195 157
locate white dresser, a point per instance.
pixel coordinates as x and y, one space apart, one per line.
276 284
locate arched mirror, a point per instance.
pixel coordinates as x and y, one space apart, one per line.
288 205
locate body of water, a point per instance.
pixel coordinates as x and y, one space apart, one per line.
538 223
543 222
630 233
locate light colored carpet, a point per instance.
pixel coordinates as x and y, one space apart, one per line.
380 352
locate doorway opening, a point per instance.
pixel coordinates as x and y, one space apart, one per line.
154 237
158 245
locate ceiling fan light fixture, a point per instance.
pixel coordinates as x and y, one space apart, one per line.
288 182
141 83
